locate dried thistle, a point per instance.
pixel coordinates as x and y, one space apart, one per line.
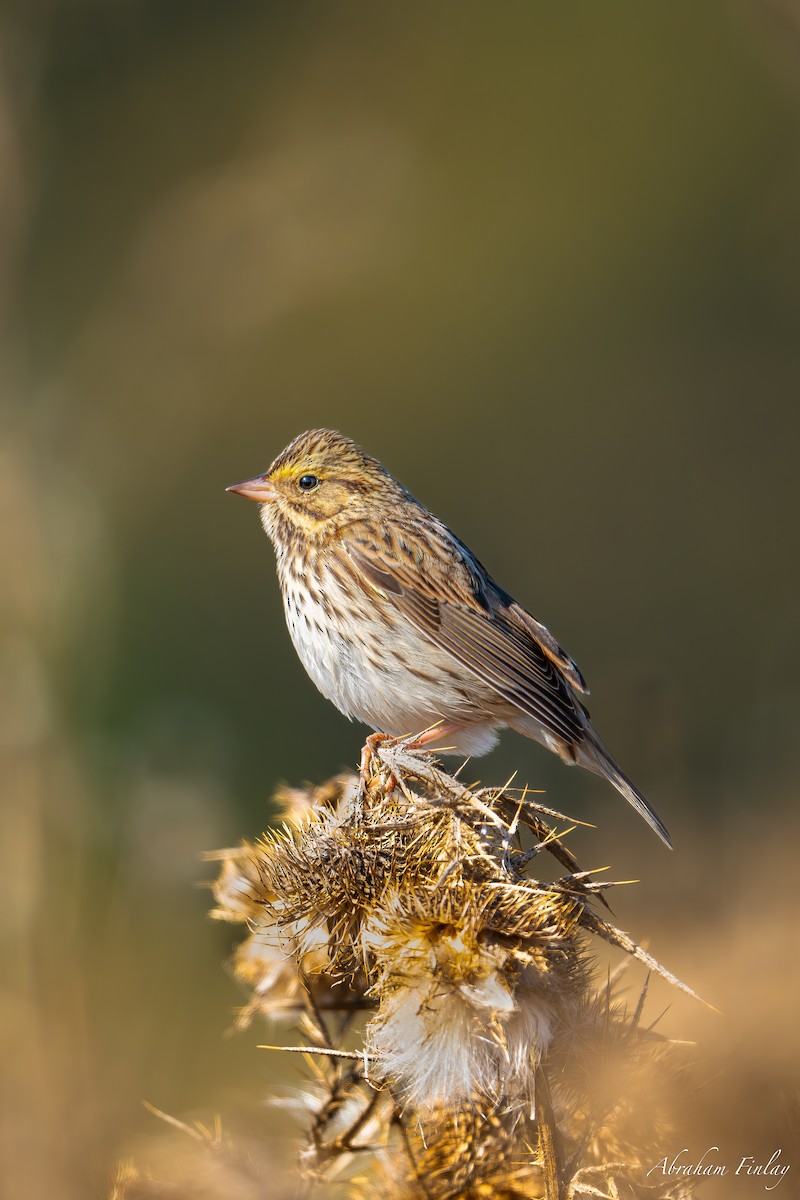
445 996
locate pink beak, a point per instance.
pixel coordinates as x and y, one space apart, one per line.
259 488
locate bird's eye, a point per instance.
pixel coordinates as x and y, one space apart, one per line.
307 483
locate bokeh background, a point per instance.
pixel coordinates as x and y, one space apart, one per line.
544 261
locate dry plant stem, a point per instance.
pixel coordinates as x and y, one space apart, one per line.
457 1044
548 1140
399 1123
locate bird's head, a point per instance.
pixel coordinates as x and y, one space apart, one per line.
319 483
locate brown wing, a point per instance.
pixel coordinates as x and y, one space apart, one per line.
434 581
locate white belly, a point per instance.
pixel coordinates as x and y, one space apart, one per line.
393 680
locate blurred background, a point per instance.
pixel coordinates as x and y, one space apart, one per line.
544 262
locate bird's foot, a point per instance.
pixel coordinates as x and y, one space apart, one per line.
432 739
365 768
368 752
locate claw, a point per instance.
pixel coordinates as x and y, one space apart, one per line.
364 768
368 753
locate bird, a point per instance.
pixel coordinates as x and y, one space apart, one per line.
401 627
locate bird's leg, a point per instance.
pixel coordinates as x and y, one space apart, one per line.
435 735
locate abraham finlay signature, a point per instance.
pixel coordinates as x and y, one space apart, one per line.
770 1173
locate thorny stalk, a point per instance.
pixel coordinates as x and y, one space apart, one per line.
483 1026
457 1044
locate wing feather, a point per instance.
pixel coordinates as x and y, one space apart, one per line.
449 597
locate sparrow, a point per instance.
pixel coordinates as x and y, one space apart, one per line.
401 627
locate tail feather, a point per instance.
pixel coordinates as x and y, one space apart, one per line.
593 754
